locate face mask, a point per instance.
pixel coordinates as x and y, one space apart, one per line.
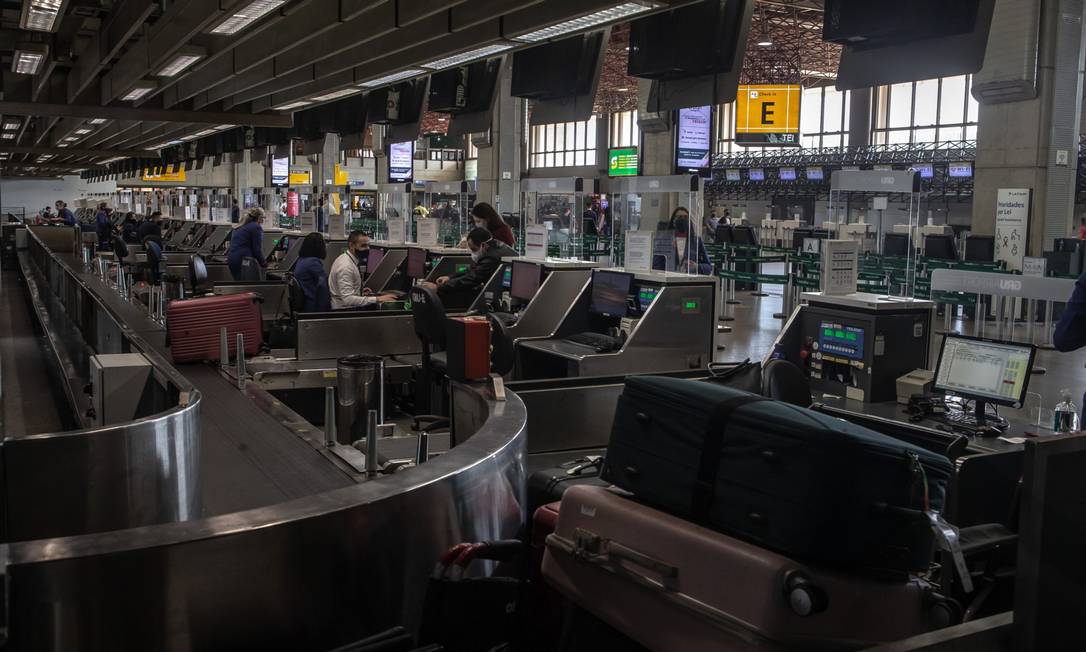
476 255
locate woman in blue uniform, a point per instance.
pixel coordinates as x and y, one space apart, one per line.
247 240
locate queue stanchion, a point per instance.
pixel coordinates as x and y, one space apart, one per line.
730 299
947 307
758 292
1031 307
725 311
1048 325
978 317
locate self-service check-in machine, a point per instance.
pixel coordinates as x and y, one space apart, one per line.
628 322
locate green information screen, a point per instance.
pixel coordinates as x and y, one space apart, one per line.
622 162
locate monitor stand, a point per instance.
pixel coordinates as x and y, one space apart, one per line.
976 419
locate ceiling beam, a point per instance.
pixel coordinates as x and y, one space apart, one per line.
157 115
98 50
71 151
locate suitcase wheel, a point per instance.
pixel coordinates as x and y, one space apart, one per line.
943 612
804 598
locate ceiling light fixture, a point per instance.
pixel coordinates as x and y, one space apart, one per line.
293 105
620 12
28 58
7 135
335 95
62 144
70 139
465 57
394 77
98 121
246 16
182 60
139 91
44 157
40 15
13 124
764 39
83 132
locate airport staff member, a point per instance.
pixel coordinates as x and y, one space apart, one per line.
151 228
130 228
247 241
485 217
309 272
486 256
1071 329
699 263
235 213
102 226
345 279
65 214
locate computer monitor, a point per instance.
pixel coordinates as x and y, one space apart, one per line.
979 248
744 234
723 234
609 292
895 244
645 296
986 371
375 257
940 246
416 263
525 280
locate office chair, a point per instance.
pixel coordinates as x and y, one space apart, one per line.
784 381
251 270
120 249
153 266
296 295
197 274
428 313
502 351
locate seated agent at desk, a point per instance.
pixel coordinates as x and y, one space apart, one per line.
486 257
151 227
309 272
700 263
345 279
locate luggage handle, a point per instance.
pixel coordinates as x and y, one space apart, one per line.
591 547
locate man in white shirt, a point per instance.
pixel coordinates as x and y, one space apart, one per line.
345 279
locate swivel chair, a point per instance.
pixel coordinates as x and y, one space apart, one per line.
197 274
296 295
428 314
784 381
251 270
120 249
502 351
153 266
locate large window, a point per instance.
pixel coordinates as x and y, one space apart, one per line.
624 130
928 111
562 144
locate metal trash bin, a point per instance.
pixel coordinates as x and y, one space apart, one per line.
360 388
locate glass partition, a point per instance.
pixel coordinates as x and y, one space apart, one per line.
672 208
393 208
558 206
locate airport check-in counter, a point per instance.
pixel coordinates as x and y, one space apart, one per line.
165 531
384 267
655 321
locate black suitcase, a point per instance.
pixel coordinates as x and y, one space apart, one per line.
547 485
781 476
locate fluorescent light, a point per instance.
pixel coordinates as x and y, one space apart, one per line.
292 105
70 139
251 13
40 15
28 59
62 144
44 157
7 135
201 134
221 127
622 11
182 60
137 93
83 132
98 121
335 95
464 57
394 77
12 124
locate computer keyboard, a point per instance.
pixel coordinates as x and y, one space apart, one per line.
967 422
397 294
596 341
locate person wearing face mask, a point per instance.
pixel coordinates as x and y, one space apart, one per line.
485 217
486 256
690 256
345 278
709 228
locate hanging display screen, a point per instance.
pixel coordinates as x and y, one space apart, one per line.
280 171
401 162
693 140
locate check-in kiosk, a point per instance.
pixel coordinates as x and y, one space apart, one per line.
628 322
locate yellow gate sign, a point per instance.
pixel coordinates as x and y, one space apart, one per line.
171 173
767 114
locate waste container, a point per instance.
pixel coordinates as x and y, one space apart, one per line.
359 389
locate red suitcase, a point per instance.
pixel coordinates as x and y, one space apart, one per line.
192 326
671 585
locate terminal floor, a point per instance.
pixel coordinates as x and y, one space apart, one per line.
30 402
755 328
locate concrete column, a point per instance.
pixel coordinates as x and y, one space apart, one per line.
1034 143
500 164
859 117
324 171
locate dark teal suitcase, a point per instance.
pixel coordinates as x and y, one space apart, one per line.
790 479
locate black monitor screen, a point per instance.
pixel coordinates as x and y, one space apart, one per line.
645 296
744 234
525 280
416 263
609 292
895 244
374 259
940 246
980 248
